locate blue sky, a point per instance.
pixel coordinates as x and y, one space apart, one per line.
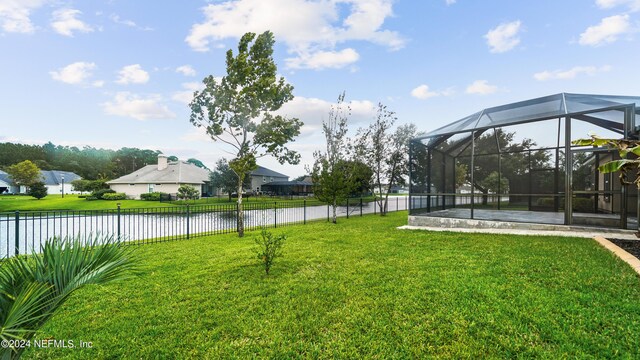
120 73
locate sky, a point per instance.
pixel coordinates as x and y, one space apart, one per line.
117 73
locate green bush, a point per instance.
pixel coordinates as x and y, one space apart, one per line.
188 192
91 198
152 196
98 194
114 196
38 190
268 248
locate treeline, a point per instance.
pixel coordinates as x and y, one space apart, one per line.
88 162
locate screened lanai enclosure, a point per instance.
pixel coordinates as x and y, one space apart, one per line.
515 163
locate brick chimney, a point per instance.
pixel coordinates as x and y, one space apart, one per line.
162 162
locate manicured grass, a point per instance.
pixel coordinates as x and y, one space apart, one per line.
357 289
69 202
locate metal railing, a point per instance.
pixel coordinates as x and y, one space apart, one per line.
22 232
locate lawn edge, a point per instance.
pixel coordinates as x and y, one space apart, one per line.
619 252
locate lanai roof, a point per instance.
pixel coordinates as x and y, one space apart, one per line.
602 110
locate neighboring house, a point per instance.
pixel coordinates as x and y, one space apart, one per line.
262 176
289 188
164 177
52 179
5 182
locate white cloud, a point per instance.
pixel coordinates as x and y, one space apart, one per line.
423 92
15 15
450 2
186 70
186 95
65 22
607 31
481 87
324 59
132 74
504 37
311 26
98 83
77 73
571 73
130 23
633 5
130 105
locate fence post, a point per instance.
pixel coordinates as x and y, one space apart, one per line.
360 206
347 208
188 217
118 221
17 221
275 214
304 206
397 203
237 216
375 205
327 212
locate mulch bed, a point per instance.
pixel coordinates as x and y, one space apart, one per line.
630 246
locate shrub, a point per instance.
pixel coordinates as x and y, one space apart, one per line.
114 196
84 196
91 198
188 192
98 194
268 248
38 190
152 196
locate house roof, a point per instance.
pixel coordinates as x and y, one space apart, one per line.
49 177
177 172
263 171
54 177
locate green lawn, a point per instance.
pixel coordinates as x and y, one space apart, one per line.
359 289
73 202
69 202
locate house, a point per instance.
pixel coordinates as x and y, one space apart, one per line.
289 188
54 180
5 182
164 177
262 175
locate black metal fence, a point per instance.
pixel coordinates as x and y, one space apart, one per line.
26 231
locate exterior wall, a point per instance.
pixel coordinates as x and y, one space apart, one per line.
258 181
134 191
57 189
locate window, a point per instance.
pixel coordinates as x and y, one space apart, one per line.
151 188
264 179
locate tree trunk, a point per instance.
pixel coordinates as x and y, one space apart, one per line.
335 211
229 196
240 213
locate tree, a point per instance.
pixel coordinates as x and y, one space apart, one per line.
33 288
229 109
386 152
225 179
333 178
197 163
625 165
38 190
516 160
24 173
188 192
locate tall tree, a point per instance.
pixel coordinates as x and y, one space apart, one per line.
333 180
387 153
24 173
197 163
225 179
229 109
